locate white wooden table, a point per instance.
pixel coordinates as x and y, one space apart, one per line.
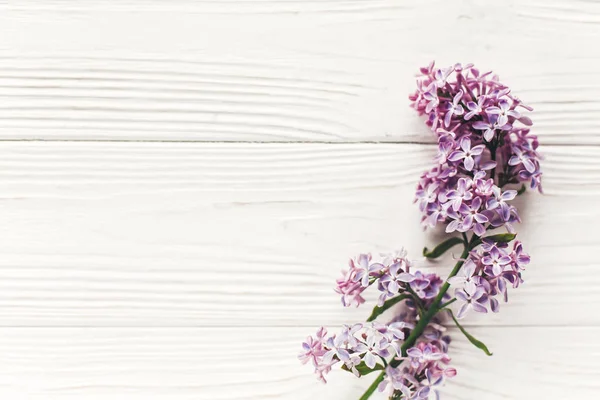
181 182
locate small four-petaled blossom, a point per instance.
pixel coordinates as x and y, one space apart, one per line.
500 199
465 274
461 193
453 108
522 157
373 350
503 111
430 95
473 218
472 296
467 153
489 128
475 108
496 261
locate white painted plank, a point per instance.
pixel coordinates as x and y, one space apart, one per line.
260 363
190 234
249 70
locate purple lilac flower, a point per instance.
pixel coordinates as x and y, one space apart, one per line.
312 349
503 111
473 218
430 95
496 261
472 297
347 335
424 354
363 269
461 193
465 275
353 362
506 219
427 195
392 281
427 385
475 108
350 289
466 153
426 286
453 108
395 381
535 178
489 127
524 158
446 144
373 350
518 258
395 330
484 187
336 349
441 75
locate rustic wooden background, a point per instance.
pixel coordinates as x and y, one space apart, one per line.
181 182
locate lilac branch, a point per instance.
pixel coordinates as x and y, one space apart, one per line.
484 143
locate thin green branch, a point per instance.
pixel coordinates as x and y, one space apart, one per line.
377 310
447 303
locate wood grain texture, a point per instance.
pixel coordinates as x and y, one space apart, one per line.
327 71
260 363
187 234
179 271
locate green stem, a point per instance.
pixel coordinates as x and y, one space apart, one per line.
424 321
447 304
493 147
373 387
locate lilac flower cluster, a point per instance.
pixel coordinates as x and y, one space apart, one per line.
424 369
484 143
392 275
471 204
371 344
488 271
